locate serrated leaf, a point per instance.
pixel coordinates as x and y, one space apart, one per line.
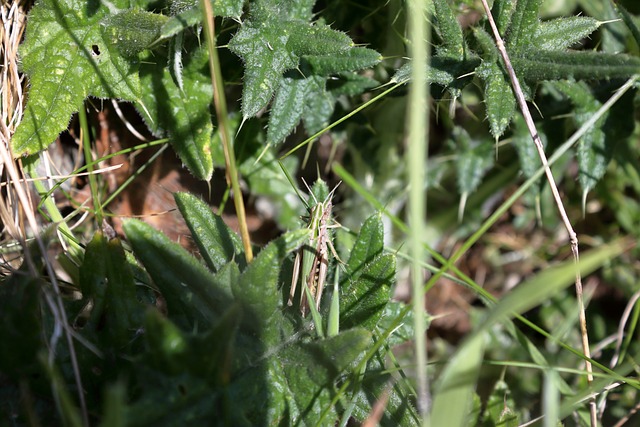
133 30
524 23
181 114
473 160
318 39
264 52
449 29
106 278
579 65
368 245
596 147
287 10
561 33
287 107
318 106
353 59
191 15
218 244
499 99
444 71
191 294
67 59
362 301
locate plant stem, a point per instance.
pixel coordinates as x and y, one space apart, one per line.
220 105
573 238
418 131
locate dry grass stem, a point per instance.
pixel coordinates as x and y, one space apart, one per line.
573 238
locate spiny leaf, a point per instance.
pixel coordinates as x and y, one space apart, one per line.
133 30
264 51
524 23
473 160
499 99
353 59
561 33
190 14
318 39
501 12
450 30
287 107
578 65
444 71
67 58
182 114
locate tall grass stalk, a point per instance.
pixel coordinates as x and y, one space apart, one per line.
220 104
418 131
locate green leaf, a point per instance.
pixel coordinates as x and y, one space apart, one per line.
579 65
167 345
449 29
368 245
258 285
182 114
67 58
190 15
443 70
353 59
133 30
499 98
106 278
473 160
192 296
363 300
288 106
317 39
218 244
312 368
501 12
524 23
318 106
561 33
263 49
593 153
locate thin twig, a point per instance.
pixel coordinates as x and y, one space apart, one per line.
573 238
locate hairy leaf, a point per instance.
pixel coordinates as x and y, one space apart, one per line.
218 244
67 58
182 114
561 33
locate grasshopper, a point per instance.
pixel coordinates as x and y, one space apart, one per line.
313 259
